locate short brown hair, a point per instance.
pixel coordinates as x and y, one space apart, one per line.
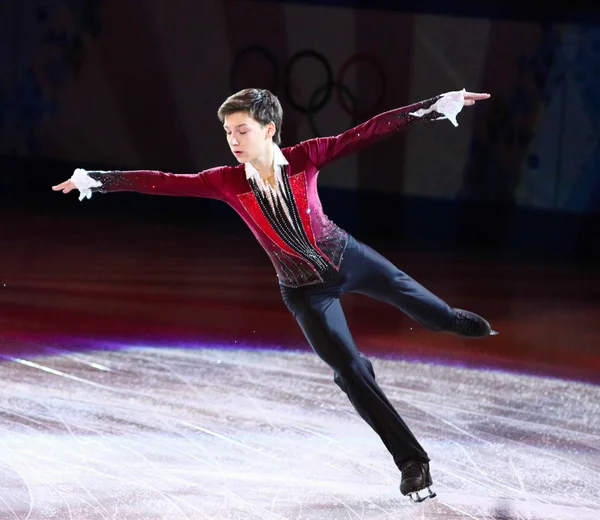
262 105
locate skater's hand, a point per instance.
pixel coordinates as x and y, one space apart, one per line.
65 187
472 97
80 181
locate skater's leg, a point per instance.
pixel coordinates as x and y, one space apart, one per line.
371 274
416 478
322 320
338 380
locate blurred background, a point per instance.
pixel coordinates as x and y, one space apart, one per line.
502 211
136 85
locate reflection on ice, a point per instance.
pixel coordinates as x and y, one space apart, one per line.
235 434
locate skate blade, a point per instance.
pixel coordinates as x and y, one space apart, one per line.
417 498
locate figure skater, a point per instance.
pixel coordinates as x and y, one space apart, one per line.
275 191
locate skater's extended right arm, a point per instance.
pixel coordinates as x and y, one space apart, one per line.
208 183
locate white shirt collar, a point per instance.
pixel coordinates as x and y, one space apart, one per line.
278 160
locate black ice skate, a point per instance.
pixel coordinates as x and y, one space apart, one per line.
470 325
416 481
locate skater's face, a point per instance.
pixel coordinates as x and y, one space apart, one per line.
247 138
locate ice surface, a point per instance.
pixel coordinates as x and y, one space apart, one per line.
206 433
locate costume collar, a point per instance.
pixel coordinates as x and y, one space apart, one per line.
278 160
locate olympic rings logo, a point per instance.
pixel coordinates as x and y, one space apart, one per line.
321 95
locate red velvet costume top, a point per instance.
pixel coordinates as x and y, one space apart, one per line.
305 248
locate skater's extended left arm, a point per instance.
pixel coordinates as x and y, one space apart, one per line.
322 150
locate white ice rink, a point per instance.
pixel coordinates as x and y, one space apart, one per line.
165 433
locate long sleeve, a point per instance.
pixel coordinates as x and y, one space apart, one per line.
322 150
207 184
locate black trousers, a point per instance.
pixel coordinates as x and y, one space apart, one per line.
319 313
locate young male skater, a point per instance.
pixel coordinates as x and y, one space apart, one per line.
275 191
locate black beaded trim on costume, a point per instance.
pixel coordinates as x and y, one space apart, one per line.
431 116
292 233
292 237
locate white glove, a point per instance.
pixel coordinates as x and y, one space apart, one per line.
84 183
449 105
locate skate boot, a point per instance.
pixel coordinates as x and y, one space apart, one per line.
470 325
416 481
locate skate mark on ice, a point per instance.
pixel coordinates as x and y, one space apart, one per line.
22 477
516 473
228 439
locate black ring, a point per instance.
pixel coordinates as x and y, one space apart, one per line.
339 87
312 108
258 49
357 58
